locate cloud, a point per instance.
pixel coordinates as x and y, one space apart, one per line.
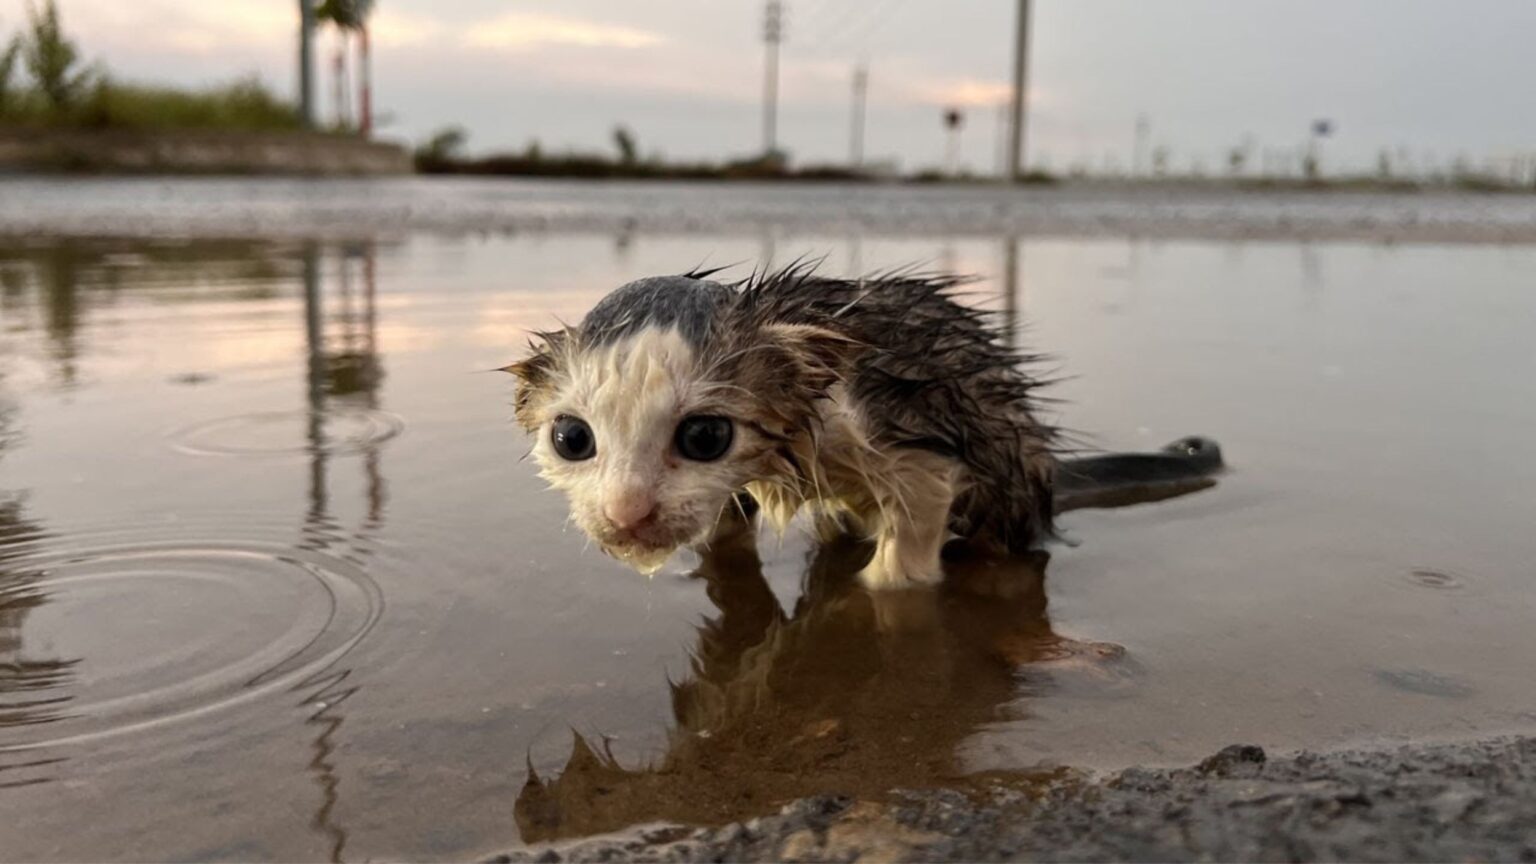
391 29
182 28
521 30
966 92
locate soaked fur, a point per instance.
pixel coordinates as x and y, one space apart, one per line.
881 404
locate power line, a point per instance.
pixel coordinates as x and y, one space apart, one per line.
840 29
881 16
808 14
816 43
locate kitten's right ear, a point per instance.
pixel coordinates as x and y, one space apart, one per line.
535 376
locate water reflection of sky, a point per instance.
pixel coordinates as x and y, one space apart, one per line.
363 465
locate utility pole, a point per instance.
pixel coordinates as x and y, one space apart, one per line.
1139 149
306 63
1020 82
339 70
856 134
1001 132
773 34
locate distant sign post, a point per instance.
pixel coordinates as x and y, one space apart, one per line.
1312 164
954 119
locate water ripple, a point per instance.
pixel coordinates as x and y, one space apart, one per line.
337 432
128 627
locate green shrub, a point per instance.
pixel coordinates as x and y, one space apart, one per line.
245 105
8 58
66 94
52 58
445 145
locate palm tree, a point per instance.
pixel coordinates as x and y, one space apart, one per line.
351 16
306 63
364 8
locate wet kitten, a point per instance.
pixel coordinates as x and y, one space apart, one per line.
881 403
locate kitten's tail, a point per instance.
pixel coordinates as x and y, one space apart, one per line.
1121 479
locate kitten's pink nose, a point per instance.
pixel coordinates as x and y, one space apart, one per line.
629 510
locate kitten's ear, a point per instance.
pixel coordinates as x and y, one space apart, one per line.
822 357
535 376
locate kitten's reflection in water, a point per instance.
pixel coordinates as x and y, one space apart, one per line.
852 693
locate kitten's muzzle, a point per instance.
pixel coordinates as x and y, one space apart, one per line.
644 546
632 521
631 510
648 534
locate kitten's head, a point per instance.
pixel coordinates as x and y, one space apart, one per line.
666 400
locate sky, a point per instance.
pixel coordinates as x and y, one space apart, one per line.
1430 81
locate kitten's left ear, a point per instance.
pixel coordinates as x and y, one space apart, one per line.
530 370
535 377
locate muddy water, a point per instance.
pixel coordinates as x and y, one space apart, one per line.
274 583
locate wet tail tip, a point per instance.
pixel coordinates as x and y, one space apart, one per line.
1199 449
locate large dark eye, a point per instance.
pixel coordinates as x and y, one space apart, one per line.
704 438
573 438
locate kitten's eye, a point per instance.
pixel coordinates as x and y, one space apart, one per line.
573 439
704 438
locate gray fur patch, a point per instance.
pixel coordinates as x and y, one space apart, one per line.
665 302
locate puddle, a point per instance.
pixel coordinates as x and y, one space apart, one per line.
275 582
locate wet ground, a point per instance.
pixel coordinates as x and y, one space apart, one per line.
1444 802
353 209
274 583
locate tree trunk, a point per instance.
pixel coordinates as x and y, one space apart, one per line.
364 84
339 65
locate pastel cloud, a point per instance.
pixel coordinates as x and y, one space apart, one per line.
389 28
523 30
966 92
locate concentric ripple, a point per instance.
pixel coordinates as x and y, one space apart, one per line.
336 431
109 631
1439 580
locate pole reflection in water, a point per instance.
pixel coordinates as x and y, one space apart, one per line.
1013 301
343 369
33 690
850 692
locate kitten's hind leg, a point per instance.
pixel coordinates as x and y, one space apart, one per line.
912 525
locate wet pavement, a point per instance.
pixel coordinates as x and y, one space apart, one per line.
482 207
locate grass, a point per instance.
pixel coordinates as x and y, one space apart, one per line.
244 106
